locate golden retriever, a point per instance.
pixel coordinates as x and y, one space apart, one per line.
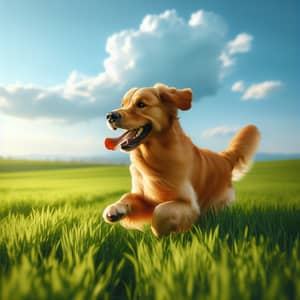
173 181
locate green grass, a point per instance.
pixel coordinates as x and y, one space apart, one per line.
54 244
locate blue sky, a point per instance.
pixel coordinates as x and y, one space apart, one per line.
63 64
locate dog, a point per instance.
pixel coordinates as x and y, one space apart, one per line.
173 180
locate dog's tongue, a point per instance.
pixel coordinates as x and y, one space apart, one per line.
113 143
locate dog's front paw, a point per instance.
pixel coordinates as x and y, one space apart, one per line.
114 213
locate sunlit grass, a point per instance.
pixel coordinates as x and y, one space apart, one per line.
54 244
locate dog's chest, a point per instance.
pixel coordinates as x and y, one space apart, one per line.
157 189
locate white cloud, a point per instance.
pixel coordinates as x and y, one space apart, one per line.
227 60
3 102
238 86
261 90
208 21
50 144
242 43
27 137
197 18
220 131
165 48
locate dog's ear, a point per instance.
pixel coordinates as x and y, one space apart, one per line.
181 98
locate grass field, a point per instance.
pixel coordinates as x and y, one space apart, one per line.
54 244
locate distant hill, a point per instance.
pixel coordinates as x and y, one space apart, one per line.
111 159
123 158
276 156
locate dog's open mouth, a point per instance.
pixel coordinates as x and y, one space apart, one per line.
128 140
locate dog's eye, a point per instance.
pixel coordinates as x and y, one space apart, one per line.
140 104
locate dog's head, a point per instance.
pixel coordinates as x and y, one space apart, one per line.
145 112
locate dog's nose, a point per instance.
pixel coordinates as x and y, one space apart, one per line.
113 116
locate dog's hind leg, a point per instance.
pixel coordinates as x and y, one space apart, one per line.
224 200
173 216
132 210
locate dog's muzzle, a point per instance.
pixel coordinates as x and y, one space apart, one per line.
113 117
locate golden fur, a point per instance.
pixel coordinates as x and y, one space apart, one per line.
172 179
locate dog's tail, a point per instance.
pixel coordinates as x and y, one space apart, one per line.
241 150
